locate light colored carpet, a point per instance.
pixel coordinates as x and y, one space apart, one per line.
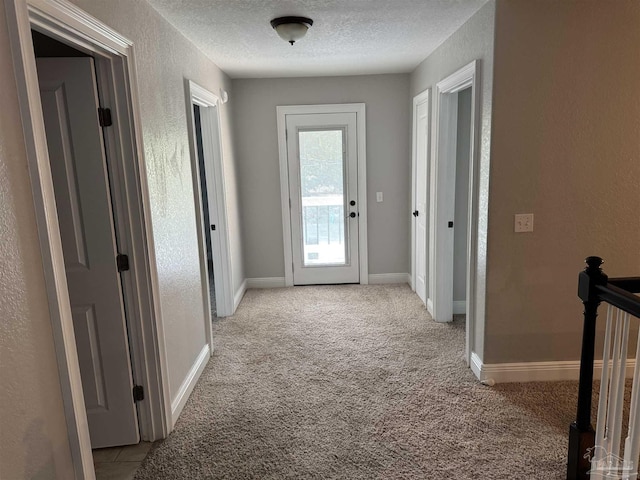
356 382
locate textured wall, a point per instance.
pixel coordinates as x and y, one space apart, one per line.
566 118
164 59
473 41
33 432
388 163
37 446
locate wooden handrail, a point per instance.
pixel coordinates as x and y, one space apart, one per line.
619 298
630 284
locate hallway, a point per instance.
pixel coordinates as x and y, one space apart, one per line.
356 382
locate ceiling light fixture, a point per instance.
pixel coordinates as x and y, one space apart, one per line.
291 29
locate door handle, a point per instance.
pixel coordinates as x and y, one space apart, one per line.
416 213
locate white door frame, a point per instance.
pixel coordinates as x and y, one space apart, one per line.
441 199
115 66
214 173
422 97
359 109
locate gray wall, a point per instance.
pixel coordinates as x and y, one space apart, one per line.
566 117
472 41
37 446
388 163
461 212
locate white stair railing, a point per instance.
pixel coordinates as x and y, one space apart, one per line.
608 461
596 454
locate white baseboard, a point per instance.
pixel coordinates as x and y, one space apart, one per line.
384 278
476 365
459 307
266 282
177 404
429 306
237 298
536 371
374 279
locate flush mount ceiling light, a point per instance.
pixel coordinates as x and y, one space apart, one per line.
291 29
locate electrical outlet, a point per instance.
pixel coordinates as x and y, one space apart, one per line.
378 197
524 222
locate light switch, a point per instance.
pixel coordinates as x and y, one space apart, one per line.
378 197
524 222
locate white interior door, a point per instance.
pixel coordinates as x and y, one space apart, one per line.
83 200
420 213
323 193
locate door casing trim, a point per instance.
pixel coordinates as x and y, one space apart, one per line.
360 110
115 64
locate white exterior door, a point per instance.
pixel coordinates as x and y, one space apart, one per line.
323 189
78 166
420 213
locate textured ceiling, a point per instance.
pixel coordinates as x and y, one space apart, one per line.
348 37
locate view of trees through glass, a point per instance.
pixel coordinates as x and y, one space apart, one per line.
321 167
322 188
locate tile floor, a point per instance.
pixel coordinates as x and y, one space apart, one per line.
119 463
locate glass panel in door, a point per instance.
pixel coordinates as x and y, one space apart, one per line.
322 189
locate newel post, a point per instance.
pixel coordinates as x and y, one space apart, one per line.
581 433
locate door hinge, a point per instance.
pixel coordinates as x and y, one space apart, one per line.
286 134
292 266
289 204
138 393
104 117
122 261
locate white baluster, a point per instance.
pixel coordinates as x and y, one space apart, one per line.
601 419
618 395
632 442
613 383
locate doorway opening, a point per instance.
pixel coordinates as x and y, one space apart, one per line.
323 193
94 260
209 226
207 166
461 203
453 203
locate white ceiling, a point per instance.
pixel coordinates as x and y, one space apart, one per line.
348 37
